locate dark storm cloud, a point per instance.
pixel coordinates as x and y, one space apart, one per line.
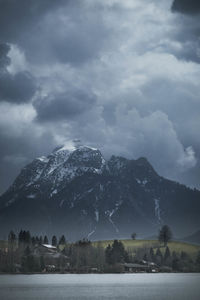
4 59
113 73
17 151
17 88
64 106
188 29
186 6
18 15
48 30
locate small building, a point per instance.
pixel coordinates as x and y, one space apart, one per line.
45 249
54 260
50 268
140 268
49 248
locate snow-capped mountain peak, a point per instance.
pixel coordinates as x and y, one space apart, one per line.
77 190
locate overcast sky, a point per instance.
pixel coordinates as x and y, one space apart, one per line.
122 76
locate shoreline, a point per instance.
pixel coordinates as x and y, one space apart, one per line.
97 273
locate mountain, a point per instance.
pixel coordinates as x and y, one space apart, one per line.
79 193
193 238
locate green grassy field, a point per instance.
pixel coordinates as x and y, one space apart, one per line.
177 246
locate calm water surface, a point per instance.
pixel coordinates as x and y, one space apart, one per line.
100 286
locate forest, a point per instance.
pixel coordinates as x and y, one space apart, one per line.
26 253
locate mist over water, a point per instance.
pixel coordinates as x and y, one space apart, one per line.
100 286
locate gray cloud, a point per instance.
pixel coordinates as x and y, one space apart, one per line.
119 75
22 15
63 106
4 59
70 30
16 152
186 6
21 140
187 34
189 29
17 88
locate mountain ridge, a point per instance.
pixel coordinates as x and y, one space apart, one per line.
78 192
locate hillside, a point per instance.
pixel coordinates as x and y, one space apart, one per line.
193 238
176 246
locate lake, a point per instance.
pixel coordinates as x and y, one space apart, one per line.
100 286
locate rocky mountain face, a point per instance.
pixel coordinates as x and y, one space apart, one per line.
80 194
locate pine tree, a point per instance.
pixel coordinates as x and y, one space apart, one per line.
21 238
167 253
159 257
11 237
37 240
108 254
152 255
62 240
116 253
167 257
54 241
145 258
27 237
42 263
33 240
46 241
40 240
176 262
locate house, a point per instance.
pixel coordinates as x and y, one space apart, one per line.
45 249
140 268
49 248
54 260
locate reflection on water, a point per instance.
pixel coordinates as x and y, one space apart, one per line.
100 286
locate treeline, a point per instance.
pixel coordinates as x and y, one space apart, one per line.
24 253
18 253
166 260
24 237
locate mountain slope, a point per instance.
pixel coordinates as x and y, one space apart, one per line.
193 238
79 193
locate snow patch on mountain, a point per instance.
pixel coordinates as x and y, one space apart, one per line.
91 233
9 202
109 214
84 212
61 203
101 187
143 182
31 196
66 147
43 159
53 192
157 210
96 215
